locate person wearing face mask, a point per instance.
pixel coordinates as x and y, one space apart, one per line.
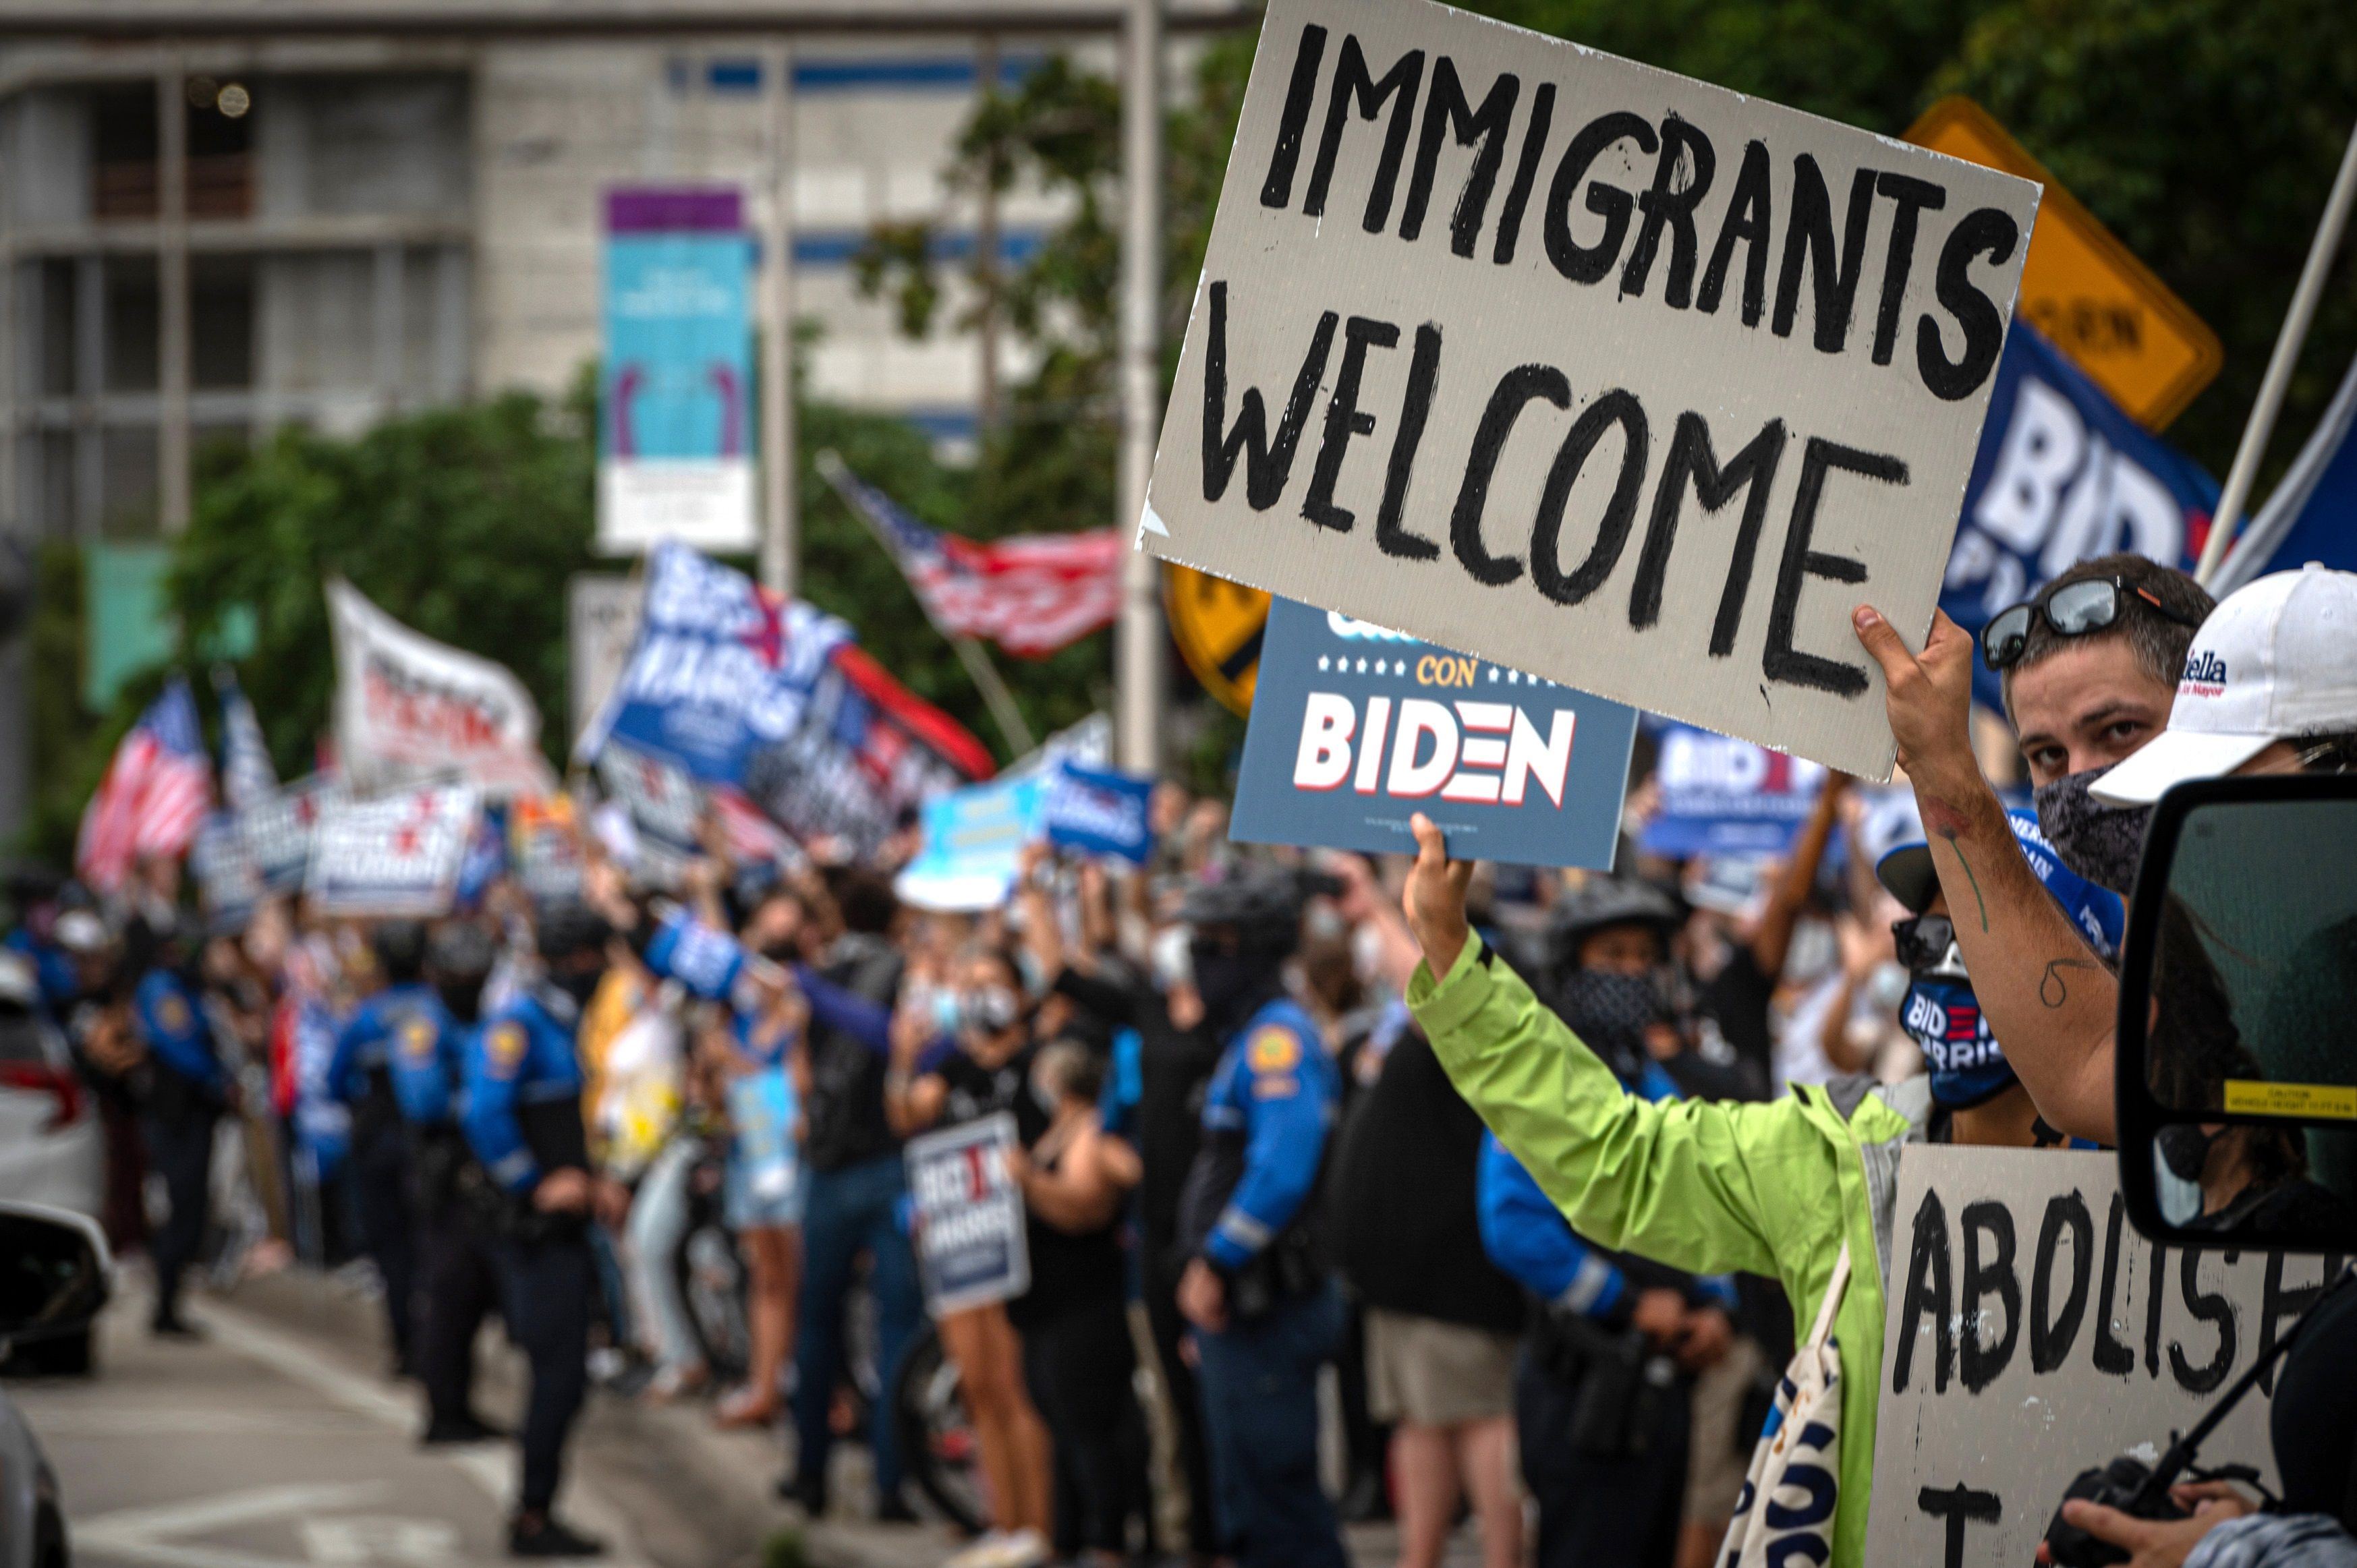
1783 1189
2264 688
2090 666
982 1069
522 1119
1256 1288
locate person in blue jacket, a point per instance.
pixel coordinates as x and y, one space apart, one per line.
359 1074
458 1284
187 1088
522 1114
1256 1288
1603 1401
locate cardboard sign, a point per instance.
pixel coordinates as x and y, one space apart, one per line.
970 1249
2032 1334
396 855
1608 376
2081 288
1723 796
1355 729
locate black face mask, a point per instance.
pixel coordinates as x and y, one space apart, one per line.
1610 1011
2185 1148
1232 983
2100 842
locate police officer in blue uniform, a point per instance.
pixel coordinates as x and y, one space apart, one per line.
450 1195
360 1073
1256 1287
522 1114
1604 1397
187 1088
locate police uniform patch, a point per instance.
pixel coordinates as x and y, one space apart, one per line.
1273 1048
504 1044
172 1013
417 1041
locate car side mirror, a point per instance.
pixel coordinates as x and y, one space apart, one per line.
2236 1055
54 1272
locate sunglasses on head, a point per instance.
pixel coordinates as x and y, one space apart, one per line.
1923 942
2073 609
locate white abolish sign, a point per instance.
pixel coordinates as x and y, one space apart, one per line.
2032 1334
1596 373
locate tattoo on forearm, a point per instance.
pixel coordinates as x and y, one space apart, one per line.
1949 834
2054 991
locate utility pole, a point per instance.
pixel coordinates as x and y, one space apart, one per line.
172 439
1138 638
985 243
780 469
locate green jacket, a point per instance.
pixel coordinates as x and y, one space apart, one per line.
1771 1190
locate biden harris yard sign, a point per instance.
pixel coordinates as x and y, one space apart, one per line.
1480 309
1355 728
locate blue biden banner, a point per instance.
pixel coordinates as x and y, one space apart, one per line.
1355 728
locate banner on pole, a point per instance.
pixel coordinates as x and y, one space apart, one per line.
674 454
397 856
1356 728
2032 1334
971 1247
1481 307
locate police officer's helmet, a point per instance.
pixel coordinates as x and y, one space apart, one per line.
400 949
570 927
1602 903
460 950
1261 904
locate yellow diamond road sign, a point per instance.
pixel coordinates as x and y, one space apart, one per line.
1216 625
2082 288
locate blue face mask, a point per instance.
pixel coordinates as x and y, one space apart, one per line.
1944 1018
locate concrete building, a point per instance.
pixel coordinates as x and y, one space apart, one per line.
201 241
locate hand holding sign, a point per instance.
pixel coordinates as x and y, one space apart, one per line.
1435 898
1929 697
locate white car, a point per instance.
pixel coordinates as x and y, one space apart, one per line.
54 1275
52 1150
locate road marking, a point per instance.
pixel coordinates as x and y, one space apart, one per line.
493 1468
356 1540
147 1535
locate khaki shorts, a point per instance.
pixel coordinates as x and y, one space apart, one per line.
1430 1373
1719 1456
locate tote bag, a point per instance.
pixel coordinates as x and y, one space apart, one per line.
1785 1513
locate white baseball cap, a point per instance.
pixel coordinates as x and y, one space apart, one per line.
2275 660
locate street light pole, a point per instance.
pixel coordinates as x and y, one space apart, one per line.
1138 638
173 443
781 467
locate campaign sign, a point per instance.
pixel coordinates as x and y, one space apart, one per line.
279 830
1354 729
1481 307
227 885
973 840
1719 795
395 855
721 667
1099 811
674 451
2063 475
968 1231
2030 1333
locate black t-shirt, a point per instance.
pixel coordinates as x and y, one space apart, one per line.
976 1091
2315 1440
1737 1001
847 1095
1070 1271
1174 1067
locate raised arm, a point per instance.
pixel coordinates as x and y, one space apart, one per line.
1670 1181
2044 991
1790 893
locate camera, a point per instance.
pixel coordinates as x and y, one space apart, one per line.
2122 1484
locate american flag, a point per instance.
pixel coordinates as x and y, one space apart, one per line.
1031 594
154 796
247 778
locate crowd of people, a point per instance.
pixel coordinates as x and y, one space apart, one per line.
1552 1172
